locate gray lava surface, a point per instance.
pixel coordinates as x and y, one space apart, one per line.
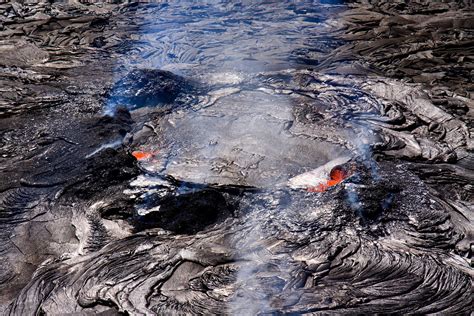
203 158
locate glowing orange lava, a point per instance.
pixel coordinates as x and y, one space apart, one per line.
142 155
336 176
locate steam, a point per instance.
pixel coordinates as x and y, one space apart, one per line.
353 199
114 144
249 299
110 108
244 139
363 140
363 149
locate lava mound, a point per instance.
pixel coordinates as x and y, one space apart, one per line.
147 87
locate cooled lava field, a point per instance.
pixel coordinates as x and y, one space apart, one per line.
236 158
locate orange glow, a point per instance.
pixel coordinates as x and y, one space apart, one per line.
337 175
142 155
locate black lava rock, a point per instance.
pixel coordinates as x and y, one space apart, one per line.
147 87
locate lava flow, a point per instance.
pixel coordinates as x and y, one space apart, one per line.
336 176
142 155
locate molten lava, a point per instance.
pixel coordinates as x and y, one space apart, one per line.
336 176
142 155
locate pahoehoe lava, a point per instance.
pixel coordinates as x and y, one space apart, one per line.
178 158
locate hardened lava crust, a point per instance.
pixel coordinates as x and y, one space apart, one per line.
197 159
